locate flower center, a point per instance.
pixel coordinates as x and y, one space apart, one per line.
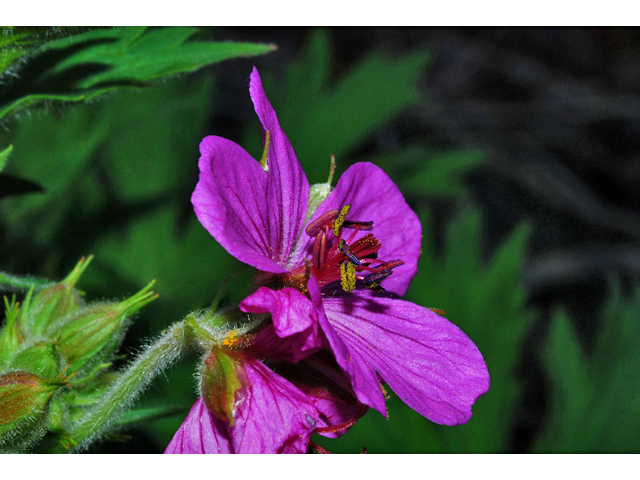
340 257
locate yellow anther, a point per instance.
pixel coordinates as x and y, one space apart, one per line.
384 392
337 223
230 339
348 276
263 160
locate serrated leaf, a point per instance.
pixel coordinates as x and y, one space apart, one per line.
84 66
16 42
571 389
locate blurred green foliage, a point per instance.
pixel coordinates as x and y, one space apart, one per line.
594 403
4 156
117 176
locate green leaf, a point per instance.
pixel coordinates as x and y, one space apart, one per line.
148 414
4 156
594 407
16 42
149 153
53 151
151 248
12 185
80 67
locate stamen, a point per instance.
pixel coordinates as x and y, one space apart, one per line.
337 223
366 247
348 276
314 447
362 409
358 225
373 279
315 227
393 264
263 160
344 248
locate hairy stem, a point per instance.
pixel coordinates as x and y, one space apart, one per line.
155 358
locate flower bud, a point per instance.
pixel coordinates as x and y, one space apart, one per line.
223 382
42 359
24 398
54 302
90 335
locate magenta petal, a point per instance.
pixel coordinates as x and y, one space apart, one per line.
287 187
334 411
275 417
366 387
373 196
293 315
200 433
230 201
427 360
330 391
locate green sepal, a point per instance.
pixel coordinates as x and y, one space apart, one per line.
41 359
25 398
54 302
10 336
93 333
223 382
319 191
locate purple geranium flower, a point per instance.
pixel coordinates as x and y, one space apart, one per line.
332 277
273 416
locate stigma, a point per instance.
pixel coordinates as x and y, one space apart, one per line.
338 255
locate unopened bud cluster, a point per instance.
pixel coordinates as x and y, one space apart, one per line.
55 354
